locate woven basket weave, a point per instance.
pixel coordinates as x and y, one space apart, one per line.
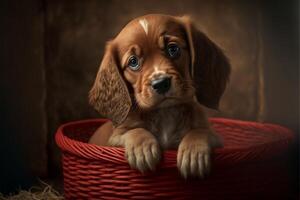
251 165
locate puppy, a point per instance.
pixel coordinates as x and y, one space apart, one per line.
152 80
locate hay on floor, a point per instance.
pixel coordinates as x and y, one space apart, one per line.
43 192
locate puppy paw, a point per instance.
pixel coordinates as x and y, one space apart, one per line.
193 157
143 153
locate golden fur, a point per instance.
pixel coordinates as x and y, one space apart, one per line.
146 122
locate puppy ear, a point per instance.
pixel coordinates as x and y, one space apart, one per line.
210 68
109 94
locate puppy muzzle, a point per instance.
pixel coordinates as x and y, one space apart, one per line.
161 85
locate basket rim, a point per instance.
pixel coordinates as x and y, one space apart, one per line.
221 156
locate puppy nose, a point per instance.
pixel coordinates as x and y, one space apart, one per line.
161 85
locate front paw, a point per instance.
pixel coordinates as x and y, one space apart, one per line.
142 153
193 157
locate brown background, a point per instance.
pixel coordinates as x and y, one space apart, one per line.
50 52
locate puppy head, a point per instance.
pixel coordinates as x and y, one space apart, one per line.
158 61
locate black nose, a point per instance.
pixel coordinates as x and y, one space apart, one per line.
161 85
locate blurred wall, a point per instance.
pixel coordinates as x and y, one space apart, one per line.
23 121
63 41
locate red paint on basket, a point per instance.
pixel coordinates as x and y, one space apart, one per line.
251 165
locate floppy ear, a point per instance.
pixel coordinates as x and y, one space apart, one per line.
210 68
109 94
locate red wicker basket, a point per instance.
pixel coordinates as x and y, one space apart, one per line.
252 165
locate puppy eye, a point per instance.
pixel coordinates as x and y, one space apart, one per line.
133 63
173 50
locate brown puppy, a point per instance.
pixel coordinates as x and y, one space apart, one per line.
151 82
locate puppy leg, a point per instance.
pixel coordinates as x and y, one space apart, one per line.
141 148
102 134
194 151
